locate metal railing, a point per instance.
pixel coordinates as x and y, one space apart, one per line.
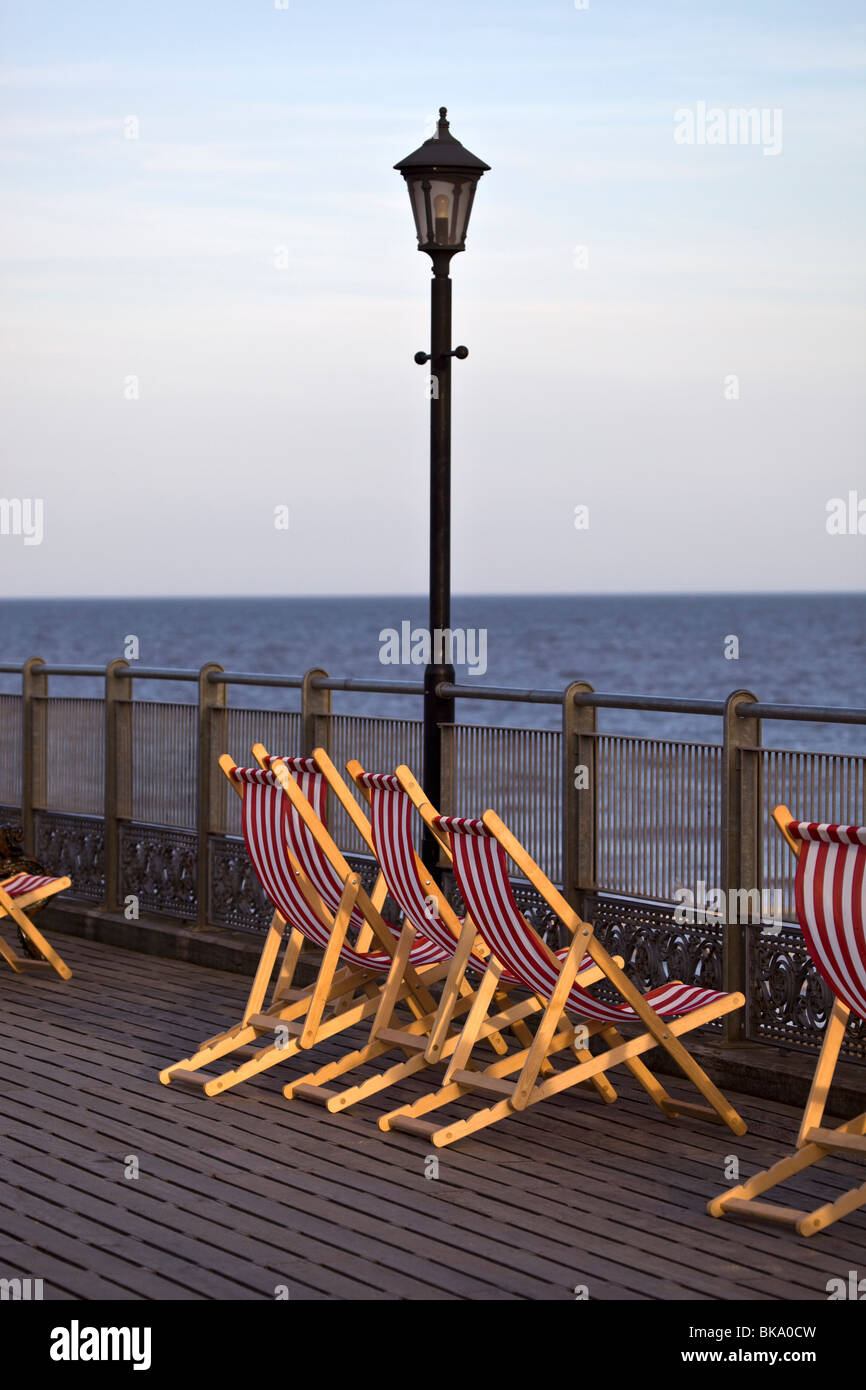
126 795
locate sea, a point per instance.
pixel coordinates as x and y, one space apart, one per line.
794 649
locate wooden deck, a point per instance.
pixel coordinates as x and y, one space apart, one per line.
238 1196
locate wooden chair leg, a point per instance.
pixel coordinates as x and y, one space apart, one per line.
740 1200
35 936
450 991
492 1080
11 957
394 981
641 1073
286 975
330 961
834 1036
477 1014
551 1018
265 967
288 1047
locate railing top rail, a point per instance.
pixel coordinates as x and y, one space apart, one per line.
807 714
48 670
254 678
592 698
373 687
161 673
499 692
665 704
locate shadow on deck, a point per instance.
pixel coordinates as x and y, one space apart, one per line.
238 1196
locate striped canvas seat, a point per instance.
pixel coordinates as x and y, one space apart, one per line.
482 873
571 1016
19 894
321 899
26 883
270 823
312 858
391 824
438 1031
830 892
831 905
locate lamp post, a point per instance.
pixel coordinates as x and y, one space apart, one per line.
441 176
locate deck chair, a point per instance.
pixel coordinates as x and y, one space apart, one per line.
17 893
479 848
388 834
831 909
316 894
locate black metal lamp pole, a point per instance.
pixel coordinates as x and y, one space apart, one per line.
441 176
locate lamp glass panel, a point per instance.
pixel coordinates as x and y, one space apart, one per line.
440 209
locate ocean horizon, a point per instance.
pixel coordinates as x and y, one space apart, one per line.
786 648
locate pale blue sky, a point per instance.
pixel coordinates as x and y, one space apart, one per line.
262 129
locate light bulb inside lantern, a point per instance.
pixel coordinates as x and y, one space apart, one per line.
440 212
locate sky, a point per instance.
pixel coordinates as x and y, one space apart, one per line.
211 297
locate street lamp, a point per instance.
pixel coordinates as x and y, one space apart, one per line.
441 176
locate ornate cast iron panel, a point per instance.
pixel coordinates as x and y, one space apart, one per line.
236 897
789 1003
655 947
73 845
159 867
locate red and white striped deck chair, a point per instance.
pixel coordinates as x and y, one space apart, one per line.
388 833
831 909
315 892
479 848
17 893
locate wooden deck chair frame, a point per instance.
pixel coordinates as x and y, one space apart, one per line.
814 1140
430 1040
299 1018
15 908
556 1031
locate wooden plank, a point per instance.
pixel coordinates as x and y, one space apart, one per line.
569 1192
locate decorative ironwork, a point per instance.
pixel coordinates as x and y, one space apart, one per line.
158 866
654 947
73 845
789 1003
235 896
